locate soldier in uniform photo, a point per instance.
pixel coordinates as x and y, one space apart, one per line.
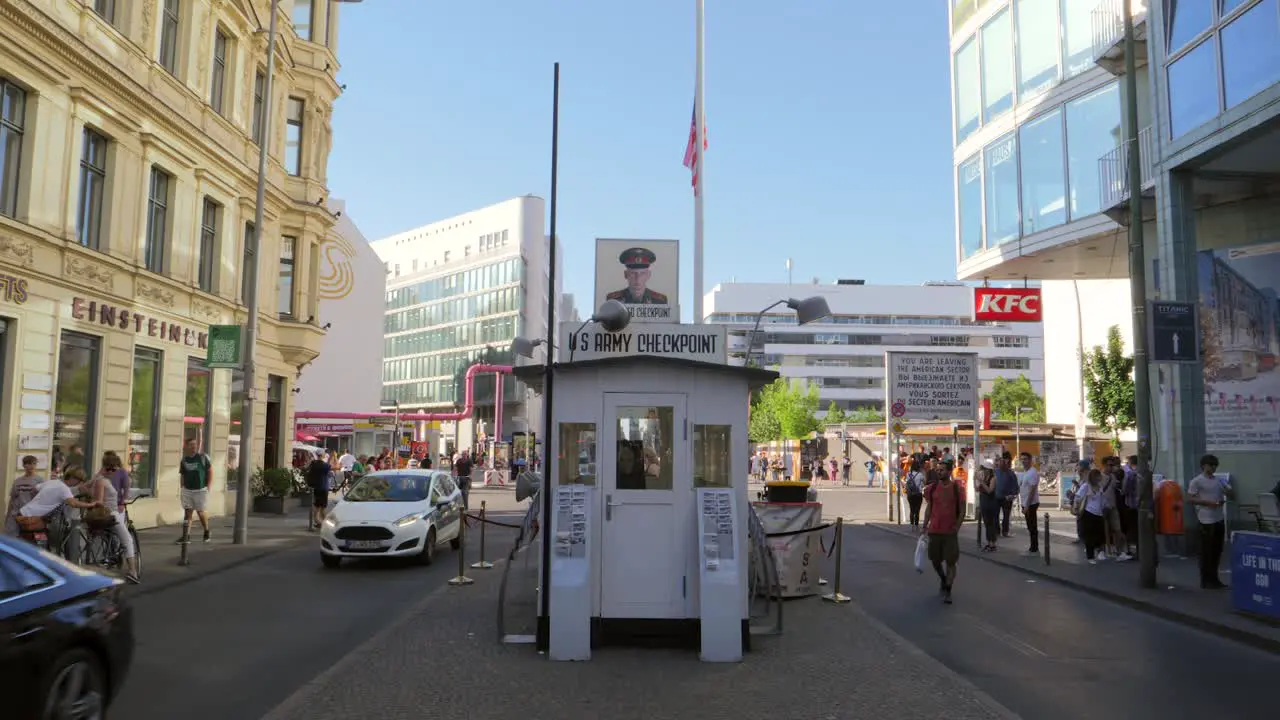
637 261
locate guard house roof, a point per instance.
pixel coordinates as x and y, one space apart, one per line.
755 377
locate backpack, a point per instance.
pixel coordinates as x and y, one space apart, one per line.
913 484
317 475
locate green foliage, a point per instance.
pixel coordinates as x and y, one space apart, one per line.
276 482
835 415
1009 395
1108 378
784 410
865 415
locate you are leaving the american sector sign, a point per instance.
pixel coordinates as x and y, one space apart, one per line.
704 343
932 386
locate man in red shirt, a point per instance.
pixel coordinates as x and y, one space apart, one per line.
942 520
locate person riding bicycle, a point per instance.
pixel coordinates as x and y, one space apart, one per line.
50 498
103 490
462 471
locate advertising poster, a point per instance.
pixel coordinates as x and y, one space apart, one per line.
644 275
1240 339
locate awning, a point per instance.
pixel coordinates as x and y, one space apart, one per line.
304 437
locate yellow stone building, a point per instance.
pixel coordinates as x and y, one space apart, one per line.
128 164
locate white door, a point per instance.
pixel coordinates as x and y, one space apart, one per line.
644 480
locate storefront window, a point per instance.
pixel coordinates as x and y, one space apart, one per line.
1044 175
1093 130
1077 36
712 455
1193 88
143 415
195 423
969 180
968 83
577 454
1000 165
1037 45
76 403
1251 52
233 435
997 66
1187 19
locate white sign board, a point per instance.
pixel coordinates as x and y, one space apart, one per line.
644 275
703 343
932 385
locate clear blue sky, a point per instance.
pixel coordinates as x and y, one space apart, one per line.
829 125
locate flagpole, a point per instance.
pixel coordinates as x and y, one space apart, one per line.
701 169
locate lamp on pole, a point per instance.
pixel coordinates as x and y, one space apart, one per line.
240 532
1017 430
810 309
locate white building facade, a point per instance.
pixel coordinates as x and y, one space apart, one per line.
844 354
458 291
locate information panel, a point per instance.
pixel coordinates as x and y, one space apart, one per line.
718 543
1255 573
571 522
932 386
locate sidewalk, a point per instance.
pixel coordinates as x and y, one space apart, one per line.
1178 596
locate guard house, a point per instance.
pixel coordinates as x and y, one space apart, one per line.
646 483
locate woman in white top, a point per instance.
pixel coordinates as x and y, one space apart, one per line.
1093 529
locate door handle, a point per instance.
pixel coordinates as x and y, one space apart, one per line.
609 505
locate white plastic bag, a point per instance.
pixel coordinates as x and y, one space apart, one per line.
922 553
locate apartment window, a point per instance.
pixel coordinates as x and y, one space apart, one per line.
13 112
303 10
247 256
1000 171
170 17
1044 172
997 66
259 105
157 220
210 221
1251 52
1009 341
1009 364
968 90
969 200
217 85
93 180
106 9
293 137
288 246
949 340
1093 130
1038 36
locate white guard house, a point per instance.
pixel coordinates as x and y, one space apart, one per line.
646 491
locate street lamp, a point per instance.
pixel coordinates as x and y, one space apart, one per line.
611 315
808 310
240 533
1017 429
524 347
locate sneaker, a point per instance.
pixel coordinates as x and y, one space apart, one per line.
206 537
1124 557
1101 557
1093 562
132 578
946 597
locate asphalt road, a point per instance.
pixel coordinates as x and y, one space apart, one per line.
236 643
1048 652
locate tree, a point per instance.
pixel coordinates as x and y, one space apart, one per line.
866 415
1008 395
784 410
1108 377
835 415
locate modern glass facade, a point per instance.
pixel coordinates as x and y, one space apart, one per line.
1044 173
1219 54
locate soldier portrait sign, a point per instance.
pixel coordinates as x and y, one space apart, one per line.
644 275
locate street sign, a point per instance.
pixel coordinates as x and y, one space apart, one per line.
899 409
225 347
1175 332
898 427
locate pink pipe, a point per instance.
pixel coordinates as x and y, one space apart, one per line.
467 408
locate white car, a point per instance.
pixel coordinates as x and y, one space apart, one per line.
393 513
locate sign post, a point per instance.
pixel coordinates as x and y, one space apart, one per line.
1175 332
226 344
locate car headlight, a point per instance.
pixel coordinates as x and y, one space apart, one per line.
410 519
330 521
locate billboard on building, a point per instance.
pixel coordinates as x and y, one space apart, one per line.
1240 341
644 275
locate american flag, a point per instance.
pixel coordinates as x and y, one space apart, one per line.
691 149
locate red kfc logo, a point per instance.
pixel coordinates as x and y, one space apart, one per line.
1006 304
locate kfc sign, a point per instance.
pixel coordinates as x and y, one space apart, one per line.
1006 304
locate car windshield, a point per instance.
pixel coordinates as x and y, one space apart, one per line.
390 488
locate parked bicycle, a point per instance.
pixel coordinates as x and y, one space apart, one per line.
103 548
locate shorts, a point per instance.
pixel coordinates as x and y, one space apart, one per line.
1113 520
320 497
195 499
944 548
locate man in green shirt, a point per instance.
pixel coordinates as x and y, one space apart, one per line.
196 479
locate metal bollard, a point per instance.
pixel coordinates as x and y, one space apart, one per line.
1046 539
482 564
978 512
461 578
835 595
183 560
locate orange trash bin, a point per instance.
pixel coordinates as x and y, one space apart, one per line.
1168 499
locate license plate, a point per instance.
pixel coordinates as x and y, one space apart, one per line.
363 544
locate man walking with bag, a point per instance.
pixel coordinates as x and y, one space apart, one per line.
942 519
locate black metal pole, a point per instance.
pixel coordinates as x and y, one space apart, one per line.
543 637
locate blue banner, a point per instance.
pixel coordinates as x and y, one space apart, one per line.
1255 573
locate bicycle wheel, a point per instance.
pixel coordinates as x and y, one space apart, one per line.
137 552
92 551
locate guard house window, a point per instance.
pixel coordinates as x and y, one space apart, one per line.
106 10
210 222
157 221
303 10
170 17
144 417
76 399
288 246
293 137
247 256
712 456
577 453
93 180
217 84
13 110
259 105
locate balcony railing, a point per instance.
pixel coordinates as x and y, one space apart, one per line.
1113 170
1107 20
